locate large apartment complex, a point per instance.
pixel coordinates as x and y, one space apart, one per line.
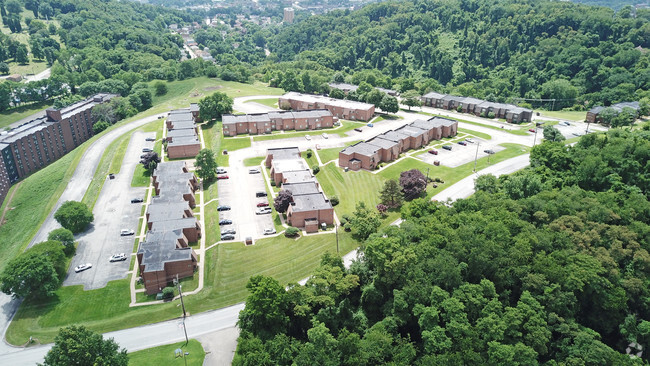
479 107
41 141
275 121
182 134
387 146
309 208
594 114
165 253
340 108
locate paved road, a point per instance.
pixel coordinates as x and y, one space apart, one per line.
113 212
83 175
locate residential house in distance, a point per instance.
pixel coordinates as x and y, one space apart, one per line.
340 108
479 107
593 115
277 121
346 88
44 139
387 146
182 137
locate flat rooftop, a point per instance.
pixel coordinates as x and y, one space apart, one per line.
383 143
411 131
310 202
179 125
281 166
349 104
283 153
393 136
184 132
297 176
155 253
184 141
298 189
159 211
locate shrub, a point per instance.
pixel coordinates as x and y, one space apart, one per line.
291 232
272 183
334 200
315 169
491 115
459 109
168 293
310 152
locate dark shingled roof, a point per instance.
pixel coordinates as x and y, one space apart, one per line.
179 125
310 202
159 211
383 143
412 131
160 248
184 140
362 148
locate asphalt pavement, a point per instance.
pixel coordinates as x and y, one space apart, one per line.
113 212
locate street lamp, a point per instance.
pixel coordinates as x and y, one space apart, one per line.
476 156
185 357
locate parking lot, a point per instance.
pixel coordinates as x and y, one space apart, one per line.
238 192
113 212
459 154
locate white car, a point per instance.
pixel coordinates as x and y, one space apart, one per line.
82 267
126 232
308 137
269 231
253 171
264 210
221 171
117 257
325 135
469 140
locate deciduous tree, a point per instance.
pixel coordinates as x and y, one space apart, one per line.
413 183
74 216
206 165
282 201
389 104
30 273
364 222
65 237
553 134
76 345
214 106
265 314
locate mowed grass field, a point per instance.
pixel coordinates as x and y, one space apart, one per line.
228 268
165 355
16 114
567 115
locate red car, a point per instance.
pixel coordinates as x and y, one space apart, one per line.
262 204
531 130
434 152
222 177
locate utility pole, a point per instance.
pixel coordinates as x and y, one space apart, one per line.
476 156
427 181
535 138
180 293
336 227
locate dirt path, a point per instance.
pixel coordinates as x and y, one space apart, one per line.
2 218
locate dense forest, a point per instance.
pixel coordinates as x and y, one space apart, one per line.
546 266
487 49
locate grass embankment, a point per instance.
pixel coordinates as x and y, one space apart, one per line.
228 267
311 161
269 102
16 114
165 355
333 153
578 116
215 140
481 135
256 161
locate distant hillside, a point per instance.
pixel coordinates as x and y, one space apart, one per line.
614 4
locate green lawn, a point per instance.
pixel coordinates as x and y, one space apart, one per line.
16 114
341 131
568 115
111 162
228 268
269 102
214 140
254 161
212 230
481 135
235 143
333 153
165 355
311 161
141 177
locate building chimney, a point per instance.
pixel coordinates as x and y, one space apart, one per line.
53 114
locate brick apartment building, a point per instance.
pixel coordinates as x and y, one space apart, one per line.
182 134
479 107
387 146
262 123
43 140
165 252
593 116
344 109
310 207
346 88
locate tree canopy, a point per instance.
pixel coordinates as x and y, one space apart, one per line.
74 216
214 106
76 345
206 165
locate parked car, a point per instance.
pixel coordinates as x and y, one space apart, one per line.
433 152
531 130
225 152
565 123
447 147
260 194
147 149
111 176
370 125
223 208
263 204
264 210
489 151
137 200
308 137
221 171
117 257
358 129
253 171
225 222
325 135
228 231
150 139
126 232
469 140
576 134
227 237
269 231
464 143
317 147
222 177
82 267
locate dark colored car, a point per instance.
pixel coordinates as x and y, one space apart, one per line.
447 147
227 237
137 200
223 208
147 149
434 152
228 231
225 222
358 129
489 151
150 139
260 194
111 176
262 204
464 143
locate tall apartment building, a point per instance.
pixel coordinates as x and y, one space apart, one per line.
288 15
41 141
